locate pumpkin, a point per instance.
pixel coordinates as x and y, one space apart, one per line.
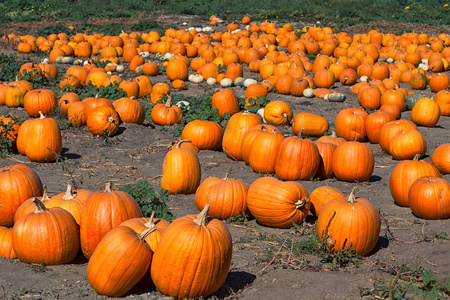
425 112
94 102
403 176
351 222
70 200
203 134
326 151
11 133
278 113
145 85
6 248
394 96
369 96
254 91
442 98
66 100
439 82
391 129
181 171
313 125
76 114
103 211
132 258
333 138
28 206
276 203
39 101
353 161
141 224
179 84
350 124
103 120
374 122
204 270
69 83
80 72
297 159
250 136
324 79
49 236
150 69
348 77
31 69
40 139
418 81
226 196
159 90
14 95
237 127
429 198
130 111
17 184
176 69
263 150
225 100
321 196
166 114
407 144
441 158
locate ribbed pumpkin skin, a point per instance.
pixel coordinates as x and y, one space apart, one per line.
263 152
181 171
326 151
6 248
38 136
429 198
374 122
425 112
225 101
321 196
17 184
43 100
356 223
192 260
441 158
314 125
353 161
130 111
350 124
297 159
227 197
237 126
28 206
391 129
403 176
251 135
103 120
120 260
203 134
103 211
51 237
407 144
276 203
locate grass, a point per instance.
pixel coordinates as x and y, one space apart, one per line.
337 13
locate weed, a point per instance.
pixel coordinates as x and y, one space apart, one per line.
241 219
38 268
149 200
9 67
7 135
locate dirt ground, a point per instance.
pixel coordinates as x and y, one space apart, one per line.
137 153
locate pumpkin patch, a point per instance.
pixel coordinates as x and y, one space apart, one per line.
234 151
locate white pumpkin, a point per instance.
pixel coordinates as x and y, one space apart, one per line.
249 81
226 82
308 93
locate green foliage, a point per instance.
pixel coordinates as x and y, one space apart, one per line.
111 92
55 29
241 219
146 25
9 67
149 200
253 104
6 130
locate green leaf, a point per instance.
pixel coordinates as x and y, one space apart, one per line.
428 277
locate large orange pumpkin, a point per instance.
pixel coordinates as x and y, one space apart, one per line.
429 198
349 222
441 158
353 161
193 257
276 203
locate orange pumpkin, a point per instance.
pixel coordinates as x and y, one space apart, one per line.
429 198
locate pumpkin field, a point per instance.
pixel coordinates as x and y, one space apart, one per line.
224 158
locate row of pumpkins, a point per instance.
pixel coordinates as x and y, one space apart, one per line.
272 202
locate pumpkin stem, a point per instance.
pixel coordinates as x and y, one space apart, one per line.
201 219
69 193
226 175
40 208
416 157
299 136
111 120
168 101
146 232
333 133
45 195
108 187
150 222
41 115
180 142
301 202
351 197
